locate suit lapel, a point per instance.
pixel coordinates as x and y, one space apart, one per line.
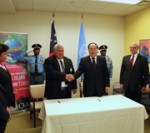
65 63
98 62
4 71
57 64
89 60
128 61
137 59
2 88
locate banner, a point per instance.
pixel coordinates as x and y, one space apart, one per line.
53 40
17 43
82 52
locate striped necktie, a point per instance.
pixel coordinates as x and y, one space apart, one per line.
62 66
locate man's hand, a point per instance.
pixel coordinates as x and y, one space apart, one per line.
145 89
74 91
121 87
9 111
69 77
107 90
30 50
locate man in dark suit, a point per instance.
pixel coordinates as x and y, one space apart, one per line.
134 73
56 68
96 76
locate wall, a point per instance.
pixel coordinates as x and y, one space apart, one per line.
102 29
137 27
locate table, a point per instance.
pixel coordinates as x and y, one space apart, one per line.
108 114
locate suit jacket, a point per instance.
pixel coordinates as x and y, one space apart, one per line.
6 83
4 115
54 77
136 77
97 78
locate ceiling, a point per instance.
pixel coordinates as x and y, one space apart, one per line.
75 6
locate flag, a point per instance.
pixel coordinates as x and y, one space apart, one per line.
82 52
53 39
82 44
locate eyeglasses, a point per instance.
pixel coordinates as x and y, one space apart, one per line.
133 47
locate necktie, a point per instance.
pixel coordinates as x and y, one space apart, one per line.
36 67
93 61
131 62
93 64
62 66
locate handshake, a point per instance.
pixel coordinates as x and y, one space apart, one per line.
69 77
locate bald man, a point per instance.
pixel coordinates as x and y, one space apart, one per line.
134 73
56 68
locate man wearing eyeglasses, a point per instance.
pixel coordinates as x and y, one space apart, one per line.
134 73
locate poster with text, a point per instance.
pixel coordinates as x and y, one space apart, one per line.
17 43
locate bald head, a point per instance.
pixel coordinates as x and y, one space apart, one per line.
134 47
134 44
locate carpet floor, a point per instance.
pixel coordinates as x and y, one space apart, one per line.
21 123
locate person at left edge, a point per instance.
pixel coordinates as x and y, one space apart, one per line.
7 97
56 73
35 77
4 112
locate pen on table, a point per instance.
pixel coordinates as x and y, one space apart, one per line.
99 100
58 101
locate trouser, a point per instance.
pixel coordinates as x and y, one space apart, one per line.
64 92
133 95
2 126
36 79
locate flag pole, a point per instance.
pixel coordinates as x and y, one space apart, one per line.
53 38
53 16
82 21
82 17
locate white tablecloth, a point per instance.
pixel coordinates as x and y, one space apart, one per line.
109 114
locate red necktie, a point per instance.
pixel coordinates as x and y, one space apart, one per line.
131 62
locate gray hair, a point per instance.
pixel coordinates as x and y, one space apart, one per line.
57 46
135 44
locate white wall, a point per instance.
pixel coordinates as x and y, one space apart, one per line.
101 29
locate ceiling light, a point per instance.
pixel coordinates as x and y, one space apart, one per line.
122 1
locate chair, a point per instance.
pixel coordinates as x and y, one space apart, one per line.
145 100
37 92
116 88
81 88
